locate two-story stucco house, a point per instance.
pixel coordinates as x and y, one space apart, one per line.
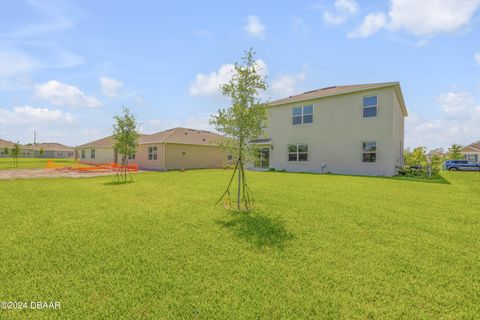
353 129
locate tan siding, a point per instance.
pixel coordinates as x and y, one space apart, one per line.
195 157
102 155
336 135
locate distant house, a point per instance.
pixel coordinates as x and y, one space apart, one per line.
177 148
50 150
472 152
5 147
353 129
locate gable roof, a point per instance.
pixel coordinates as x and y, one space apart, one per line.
338 90
6 144
51 146
183 136
175 135
474 147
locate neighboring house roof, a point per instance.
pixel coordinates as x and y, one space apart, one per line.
183 136
338 90
51 146
175 135
106 142
474 147
6 144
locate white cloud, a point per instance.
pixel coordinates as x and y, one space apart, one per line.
344 10
61 94
286 85
425 18
477 58
458 123
254 27
30 115
110 87
455 104
209 84
371 24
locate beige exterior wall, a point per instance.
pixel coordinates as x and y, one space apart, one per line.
472 154
195 157
141 157
102 155
335 137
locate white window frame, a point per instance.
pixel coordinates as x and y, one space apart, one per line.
303 114
152 153
131 157
297 152
92 154
82 154
369 107
369 152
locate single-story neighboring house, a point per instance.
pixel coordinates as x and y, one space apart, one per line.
5 147
177 148
39 150
472 152
51 150
352 129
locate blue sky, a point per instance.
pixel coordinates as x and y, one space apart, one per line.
67 67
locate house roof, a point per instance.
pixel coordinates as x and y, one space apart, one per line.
54 146
474 147
6 144
338 90
183 136
175 135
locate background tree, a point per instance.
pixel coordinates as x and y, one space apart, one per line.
126 139
242 122
454 152
436 157
15 153
418 156
41 152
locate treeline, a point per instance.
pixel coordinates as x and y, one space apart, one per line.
420 157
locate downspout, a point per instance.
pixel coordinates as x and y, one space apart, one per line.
163 156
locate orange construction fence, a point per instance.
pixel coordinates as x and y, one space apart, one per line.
93 167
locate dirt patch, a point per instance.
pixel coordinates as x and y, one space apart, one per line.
48 173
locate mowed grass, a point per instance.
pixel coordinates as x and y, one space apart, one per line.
315 247
31 163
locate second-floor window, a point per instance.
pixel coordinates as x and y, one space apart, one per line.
92 154
302 115
152 153
370 105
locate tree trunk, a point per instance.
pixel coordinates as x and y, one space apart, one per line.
239 182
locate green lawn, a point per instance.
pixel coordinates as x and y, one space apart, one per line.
30 163
316 247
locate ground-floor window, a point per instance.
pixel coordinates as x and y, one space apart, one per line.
262 158
471 157
131 157
369 151
92 154
83 154
152 153
298 152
